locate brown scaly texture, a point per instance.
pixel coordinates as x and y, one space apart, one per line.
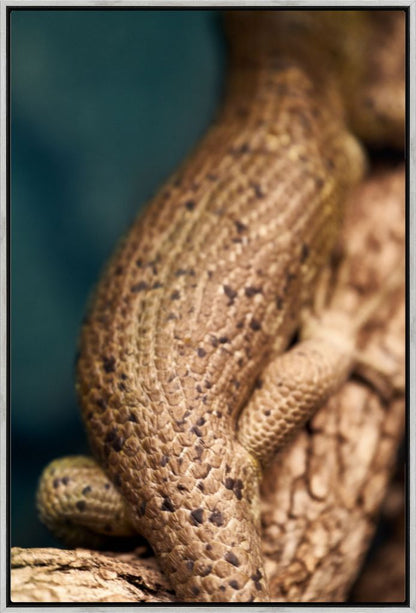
207 289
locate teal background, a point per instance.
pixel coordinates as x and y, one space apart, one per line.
104 105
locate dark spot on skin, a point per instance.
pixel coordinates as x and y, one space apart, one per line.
204 399
224 339
232 558
233 583
208 547
222 588
197 516
214 341
207 570
245 148
208 385
190 205
256 578
219 414
236 383
111 435
195 590
201 352
236 485
238 489
181 487
279 303
258 384
201 486
175 295
56 483
157 285
164 460
255 325
109 364
210 273
180 272
142 508
190 564
267 413
167 505
132 417
198 389
257 190
216 518
304 253
196 431
200 421
171 316
121 387
229 483
65 480
252 291
139 263
86 490
106 486
102 404
114 439
139 287
230 293
81 505
240 227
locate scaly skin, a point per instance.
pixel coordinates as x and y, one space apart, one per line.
204 292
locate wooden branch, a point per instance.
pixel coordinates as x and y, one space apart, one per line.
321 497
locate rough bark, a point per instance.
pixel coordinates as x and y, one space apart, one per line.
322 496
383 576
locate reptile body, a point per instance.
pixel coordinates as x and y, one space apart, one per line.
203 295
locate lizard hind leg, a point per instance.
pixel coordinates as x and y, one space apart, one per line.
298 382
80 506
292 387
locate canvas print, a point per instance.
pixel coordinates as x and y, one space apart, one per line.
207 241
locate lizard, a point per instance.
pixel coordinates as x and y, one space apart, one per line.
207 343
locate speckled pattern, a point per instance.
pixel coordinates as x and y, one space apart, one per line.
201 297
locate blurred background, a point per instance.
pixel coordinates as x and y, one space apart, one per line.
104 105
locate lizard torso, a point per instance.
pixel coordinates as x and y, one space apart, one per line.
207 285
